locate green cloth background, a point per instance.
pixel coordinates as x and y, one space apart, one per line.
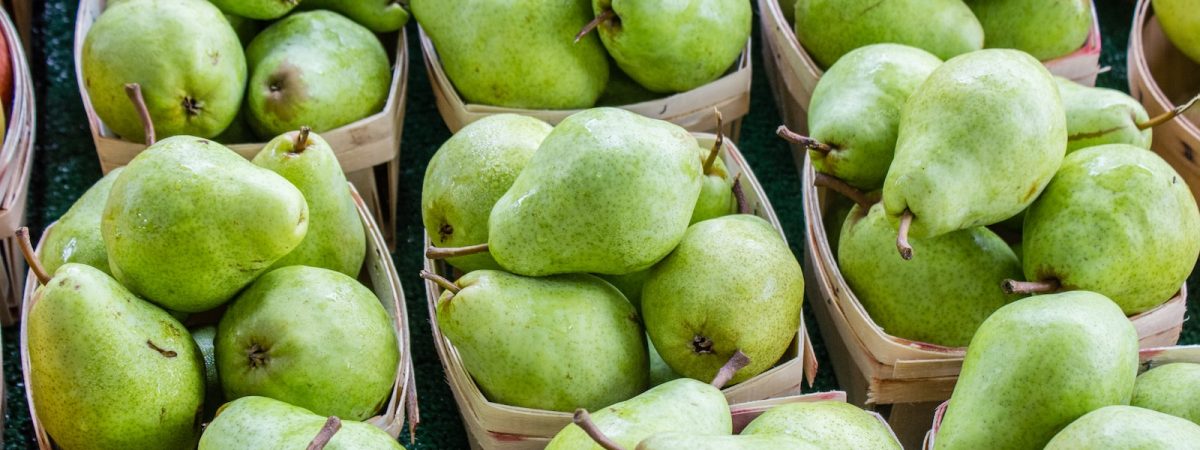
66 165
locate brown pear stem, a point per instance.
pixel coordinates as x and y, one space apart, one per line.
1030 287
440 281
134 91
31 256
584 421
906 251
301 142
840 186
727 371
716 148
450 252
740 196
331 427
1164 117
604 15
799 139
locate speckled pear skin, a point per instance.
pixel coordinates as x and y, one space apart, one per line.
1127 427
939 298
716 191
76 236
259 423
1180 19
466 176
694 407
186 57
380 16
732 281
189 223
855 108
1117 220
532 342
95 374
335 239
945 28
660 372
683 441
978 142
256 9
1172 388
1046 29
607 192
630 285
829 425
485 48
326 343
1036 365
1098 116
674 45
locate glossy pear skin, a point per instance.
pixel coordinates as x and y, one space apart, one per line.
945 28
855 108
531 342
256 9
1127 427
76 236
222 222
1036 365
1117 220
830 425
732 281
978 141
259 422
696 408
335 239
486 55
607 192
1172 388
939 298
1180 19
380 16
1098 116
96 376
466 176
682 441
716 192
1046 29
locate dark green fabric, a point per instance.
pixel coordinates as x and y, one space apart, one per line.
66 165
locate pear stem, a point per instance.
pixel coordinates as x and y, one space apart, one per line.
740 196
735 363
134 91
584 421
301 142
1030 287
450 252
1161 118
799 139
906 250
31 256
716 148
331 427
604 15
440 281
840 186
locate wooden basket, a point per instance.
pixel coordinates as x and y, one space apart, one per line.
1161 77
876 368
692 110
360 146
497 426
378 273
16 164
793 73
1150 358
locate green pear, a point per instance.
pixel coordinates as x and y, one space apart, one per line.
185 56
1035 366
380 16
489 48
311 337
251 423
1127 427
630 285
622 90
1117 220
315 69
335 238
608 192
466 176
675 45
830 425
109 370
837 209
716 187
76 236
1180 19
855 111
1098 116
829 29
731 285
213 398
257 9
189 223
1046 29
978 141
1172 388
672 440
939 298
660 372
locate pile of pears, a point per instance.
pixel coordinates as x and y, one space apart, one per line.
193 277
599 257
545 54
317 63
